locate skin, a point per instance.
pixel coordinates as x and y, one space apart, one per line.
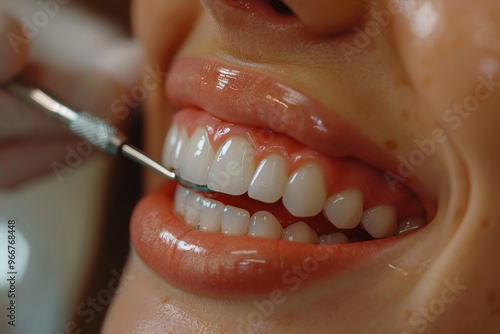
395 90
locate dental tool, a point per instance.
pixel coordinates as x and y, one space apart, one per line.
93 129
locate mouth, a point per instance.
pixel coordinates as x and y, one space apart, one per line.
297 189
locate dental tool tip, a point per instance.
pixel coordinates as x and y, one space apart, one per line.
142 159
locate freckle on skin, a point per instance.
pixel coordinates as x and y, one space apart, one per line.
165 300
485 223
391 145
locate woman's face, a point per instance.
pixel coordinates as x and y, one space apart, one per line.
337 112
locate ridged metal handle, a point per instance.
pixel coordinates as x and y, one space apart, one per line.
98 132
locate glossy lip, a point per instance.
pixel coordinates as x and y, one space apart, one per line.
210 263
263 102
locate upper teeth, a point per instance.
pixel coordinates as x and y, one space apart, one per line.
213 216
175 145
269 180
232 169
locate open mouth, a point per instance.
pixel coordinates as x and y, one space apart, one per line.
278 188
291 185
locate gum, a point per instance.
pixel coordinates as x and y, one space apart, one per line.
340 174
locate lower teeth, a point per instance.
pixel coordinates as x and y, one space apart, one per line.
213 216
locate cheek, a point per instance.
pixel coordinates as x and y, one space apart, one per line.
451 51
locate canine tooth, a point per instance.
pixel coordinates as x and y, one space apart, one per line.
269 180
234 221
345 209
410 224
334 238
181 195
263 224
380 221
175 147
305 192
300 232
193 208
210 215
197 158
232 167
169 146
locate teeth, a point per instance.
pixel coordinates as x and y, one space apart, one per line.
269 180
175 144
198 156
334 239
410 225
263 224
300 232
193 207
231 170
305 192
210 216
168 146
344 210
181 195
232 167
380 221
234 221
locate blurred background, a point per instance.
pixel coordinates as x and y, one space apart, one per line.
71 232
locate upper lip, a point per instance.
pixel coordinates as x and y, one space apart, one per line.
244 96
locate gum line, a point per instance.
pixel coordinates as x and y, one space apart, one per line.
339 174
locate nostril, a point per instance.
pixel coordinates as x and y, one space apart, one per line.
279 6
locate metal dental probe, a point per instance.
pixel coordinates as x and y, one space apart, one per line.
93 129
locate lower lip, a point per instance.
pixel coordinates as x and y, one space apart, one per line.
216 265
